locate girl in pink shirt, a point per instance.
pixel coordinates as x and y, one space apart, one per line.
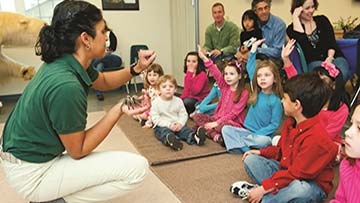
348 189
196 83
334 115
231 105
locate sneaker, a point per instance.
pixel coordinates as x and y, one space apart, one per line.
219 139
173 142
200 136
100 97
242 189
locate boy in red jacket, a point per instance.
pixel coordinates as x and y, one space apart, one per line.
299 168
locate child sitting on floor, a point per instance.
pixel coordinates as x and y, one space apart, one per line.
169 116
232 103
152 74
334 114
265 112
299 168
348 189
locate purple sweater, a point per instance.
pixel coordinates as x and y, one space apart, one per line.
195 87
348 189
227 110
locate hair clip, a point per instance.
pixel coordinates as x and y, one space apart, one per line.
238 65
333 71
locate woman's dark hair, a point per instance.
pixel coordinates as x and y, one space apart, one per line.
250 14
70 19
298 3
200 67
339 93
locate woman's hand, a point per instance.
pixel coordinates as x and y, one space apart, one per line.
202 55
297 12
146 57
253 151
132 109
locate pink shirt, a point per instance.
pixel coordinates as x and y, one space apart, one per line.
195 87
348 190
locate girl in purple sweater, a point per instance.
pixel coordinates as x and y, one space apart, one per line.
348 189
231 105
196 83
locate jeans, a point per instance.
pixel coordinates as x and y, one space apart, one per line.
340 62
109 61
236 138
260 168
186 134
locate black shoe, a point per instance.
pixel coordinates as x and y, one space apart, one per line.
200 136
100 97
173 142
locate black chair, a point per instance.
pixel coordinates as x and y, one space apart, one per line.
134 49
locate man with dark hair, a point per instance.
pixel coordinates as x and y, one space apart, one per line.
222 36
109 61
299 168
273 29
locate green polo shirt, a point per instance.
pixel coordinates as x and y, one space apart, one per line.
54 102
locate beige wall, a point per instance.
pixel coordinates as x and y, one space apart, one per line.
155 24
234 9
150 26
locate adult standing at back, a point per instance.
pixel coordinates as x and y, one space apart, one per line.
222 36
273 29
315 35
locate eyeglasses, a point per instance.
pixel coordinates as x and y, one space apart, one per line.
260 9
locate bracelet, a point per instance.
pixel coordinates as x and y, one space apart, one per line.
132 70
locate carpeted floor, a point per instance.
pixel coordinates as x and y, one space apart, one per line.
146 143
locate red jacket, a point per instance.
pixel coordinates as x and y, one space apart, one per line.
305 152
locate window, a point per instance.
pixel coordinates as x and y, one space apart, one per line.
42 9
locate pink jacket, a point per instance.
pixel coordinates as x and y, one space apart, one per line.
195 87
348 190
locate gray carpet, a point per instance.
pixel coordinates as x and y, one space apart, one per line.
146 143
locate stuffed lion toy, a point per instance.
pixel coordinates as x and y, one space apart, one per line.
17 30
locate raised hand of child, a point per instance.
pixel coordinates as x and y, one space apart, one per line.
201 54
256 44
286 51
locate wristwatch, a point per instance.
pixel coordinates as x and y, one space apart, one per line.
132 70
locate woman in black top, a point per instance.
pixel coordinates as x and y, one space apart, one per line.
315 35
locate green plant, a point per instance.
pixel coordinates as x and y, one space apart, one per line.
347 24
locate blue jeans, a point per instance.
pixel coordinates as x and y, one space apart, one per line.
186 134
259 168
237 138
109 61
340 62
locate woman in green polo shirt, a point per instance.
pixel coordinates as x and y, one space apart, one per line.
50 117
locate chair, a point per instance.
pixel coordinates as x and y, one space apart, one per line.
134 49
351 51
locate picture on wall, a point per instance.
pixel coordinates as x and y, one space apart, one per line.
120 4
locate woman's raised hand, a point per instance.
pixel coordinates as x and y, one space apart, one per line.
201 54
297 11
146 57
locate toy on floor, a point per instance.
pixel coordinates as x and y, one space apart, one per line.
242 189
